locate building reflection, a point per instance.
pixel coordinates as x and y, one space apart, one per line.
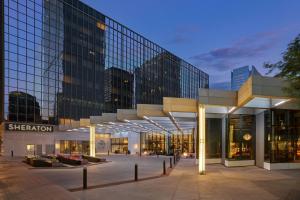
23 108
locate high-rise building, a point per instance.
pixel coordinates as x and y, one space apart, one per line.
240 75
76 62
62 61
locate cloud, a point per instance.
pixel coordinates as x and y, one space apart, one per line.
226 58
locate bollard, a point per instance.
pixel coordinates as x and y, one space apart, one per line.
108 152
136 172
84 178
170 162
12 153
164 167
174 159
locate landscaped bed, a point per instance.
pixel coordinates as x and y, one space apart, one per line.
61 160
93 159
36 161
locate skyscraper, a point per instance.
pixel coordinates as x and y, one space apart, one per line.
71 61
240 75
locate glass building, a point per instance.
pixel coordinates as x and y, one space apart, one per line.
240 75
63 61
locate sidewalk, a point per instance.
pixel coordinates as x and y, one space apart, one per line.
17 182
218 183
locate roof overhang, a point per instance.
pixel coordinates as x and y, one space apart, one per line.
257 92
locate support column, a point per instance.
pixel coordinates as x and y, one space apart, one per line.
201 138
92 141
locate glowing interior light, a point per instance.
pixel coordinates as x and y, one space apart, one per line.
201 128
232 109
92 141
281 102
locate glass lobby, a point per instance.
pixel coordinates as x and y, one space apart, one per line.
240 137
282 136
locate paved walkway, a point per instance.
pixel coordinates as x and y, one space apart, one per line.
219 183
18 183
120 168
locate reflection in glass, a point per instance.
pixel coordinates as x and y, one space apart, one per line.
213 136
77 62
282 136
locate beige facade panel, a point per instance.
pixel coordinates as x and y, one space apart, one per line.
127 114
106 117
85 122
149 110
217 97
264 87
171 104
268 87
290 105
245 92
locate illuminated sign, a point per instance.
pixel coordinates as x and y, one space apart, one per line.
28 127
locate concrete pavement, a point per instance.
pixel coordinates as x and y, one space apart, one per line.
18 182
218 183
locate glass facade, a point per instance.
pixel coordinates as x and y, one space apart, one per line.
213 137
282 136
153 143
119 145
74 147
65 61
240 75
183 143
240 137
1 71
159 143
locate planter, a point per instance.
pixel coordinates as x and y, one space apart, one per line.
68 161
93 159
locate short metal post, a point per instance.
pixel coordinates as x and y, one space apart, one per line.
108 152
174 159
164 167
84 178
136 172
12 153
171 163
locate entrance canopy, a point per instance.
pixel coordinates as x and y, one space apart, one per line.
146 118
181 115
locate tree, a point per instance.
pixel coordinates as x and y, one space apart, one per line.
289 67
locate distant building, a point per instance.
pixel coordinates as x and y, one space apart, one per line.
240 75
221 85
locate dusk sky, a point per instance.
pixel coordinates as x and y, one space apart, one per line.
214 35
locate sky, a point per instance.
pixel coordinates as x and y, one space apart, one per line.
214 35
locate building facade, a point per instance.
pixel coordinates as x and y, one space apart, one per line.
62 60
63 53
240 75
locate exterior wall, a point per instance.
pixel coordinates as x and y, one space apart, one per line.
17 141
260 139
134 143
74 62
103 143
